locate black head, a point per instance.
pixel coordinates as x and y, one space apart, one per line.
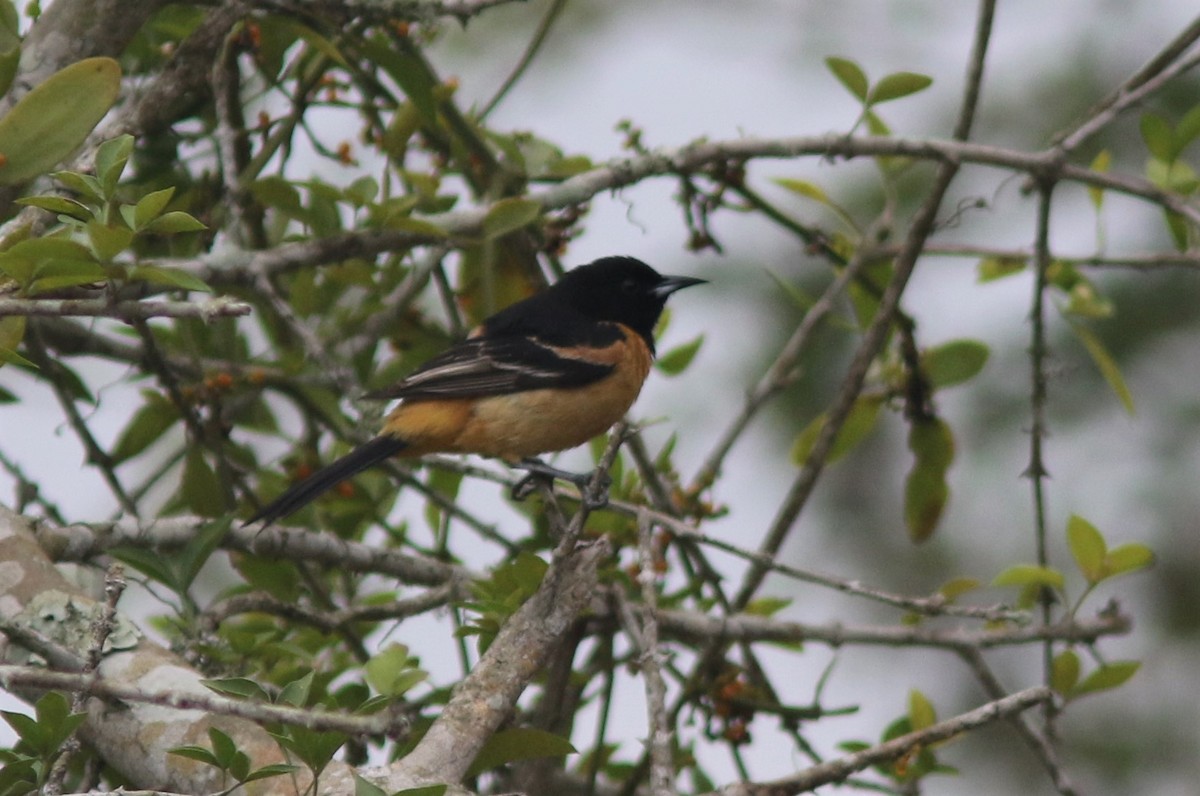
620 289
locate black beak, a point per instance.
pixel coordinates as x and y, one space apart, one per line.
670 284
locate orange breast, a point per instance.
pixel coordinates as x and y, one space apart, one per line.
526 423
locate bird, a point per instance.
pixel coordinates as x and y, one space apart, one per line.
545 374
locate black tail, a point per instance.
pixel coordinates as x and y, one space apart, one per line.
300 495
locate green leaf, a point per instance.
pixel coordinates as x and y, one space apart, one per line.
859 423
198 753
1088 548
314 748
1105 364
509 215
56 274
193 555
956 587
111 157
954 362
392 671
201 490
925 489
993 268
108 241
1106 677
272 770
920 711
897 85
224 749
363 787
804 188
1064 671
1187 130
148 424
12 332
237 687
1127 558
424 790
766 606
173 223
518 743
54 119
1029 575
60 205
410 73
1100 164
296 692
850 75
171 277
1159 137
677 359
150 207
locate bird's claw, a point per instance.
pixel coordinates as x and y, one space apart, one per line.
593 498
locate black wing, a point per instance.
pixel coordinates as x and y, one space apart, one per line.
486 366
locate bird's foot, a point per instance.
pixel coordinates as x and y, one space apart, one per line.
539 471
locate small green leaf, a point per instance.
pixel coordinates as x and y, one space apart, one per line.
897 85
509 215
955 588
171 277
993 268
1088 548
108 241
12 332
60 205
920 711
149 423
111 157
223 746
1127 558
424 790
201 490
1106 677
925 496
363 787
150 207
1100 164
1029 575
850 75
954 362
859 423
239 687
767 606
1105 364
392 671
804 188
296 692
1187 130
173 223
1064 671
198 753
272 770
677 359
518 743
1159 137
55 118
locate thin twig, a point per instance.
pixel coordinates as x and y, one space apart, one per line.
1038 743
383 724
837 770
125 310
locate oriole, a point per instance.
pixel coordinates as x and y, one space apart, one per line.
546 374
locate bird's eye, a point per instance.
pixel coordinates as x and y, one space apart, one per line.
629 286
